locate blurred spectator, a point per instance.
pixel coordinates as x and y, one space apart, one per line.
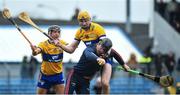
161 7
148 49
171 9
132 62
148 57
74 17
170 62
178 88
158 61
145 62
33 67
176 22
24 68
178 65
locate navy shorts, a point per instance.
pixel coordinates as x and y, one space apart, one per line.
109 61
77 83
46 81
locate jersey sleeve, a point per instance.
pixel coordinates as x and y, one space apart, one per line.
90 55
117 56
100 32
63 42
78 35
41 45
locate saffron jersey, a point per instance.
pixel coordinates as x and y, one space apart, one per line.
52 57
92 35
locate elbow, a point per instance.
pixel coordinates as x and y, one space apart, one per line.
70 51
34 54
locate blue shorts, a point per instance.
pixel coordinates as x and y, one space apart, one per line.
46 81
109 61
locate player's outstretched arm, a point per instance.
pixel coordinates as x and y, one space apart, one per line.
69 48
117 56
93 57
126 67
35 50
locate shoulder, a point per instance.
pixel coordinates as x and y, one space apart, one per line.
44 42
78 30
90 48
98 28
63 42
96 25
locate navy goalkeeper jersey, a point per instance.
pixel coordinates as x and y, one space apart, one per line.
87 65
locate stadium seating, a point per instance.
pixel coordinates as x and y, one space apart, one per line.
133 85
17 86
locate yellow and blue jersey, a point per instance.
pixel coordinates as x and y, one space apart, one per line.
91 36
52 57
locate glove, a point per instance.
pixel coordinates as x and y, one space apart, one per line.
101 61
34 50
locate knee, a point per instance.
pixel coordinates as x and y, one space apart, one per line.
105 84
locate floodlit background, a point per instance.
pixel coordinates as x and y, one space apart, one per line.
149 29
